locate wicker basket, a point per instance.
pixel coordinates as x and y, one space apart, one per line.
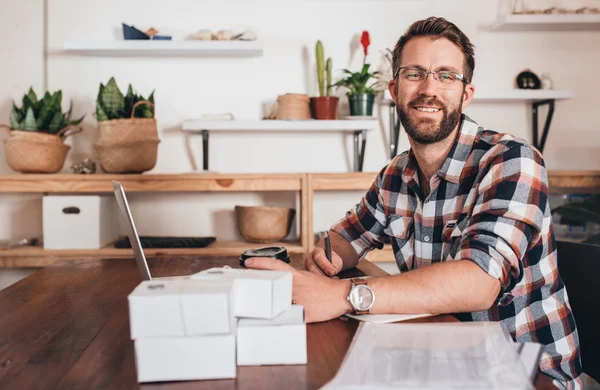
116 156
293 107
37 152
264 224
129 129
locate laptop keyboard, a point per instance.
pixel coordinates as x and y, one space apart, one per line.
167 242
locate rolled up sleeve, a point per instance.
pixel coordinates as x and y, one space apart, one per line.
364 223
508 215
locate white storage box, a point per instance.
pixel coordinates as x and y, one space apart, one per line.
258 293
181 307
185 358
280 340
79 221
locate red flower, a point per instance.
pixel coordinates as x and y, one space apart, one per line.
365 41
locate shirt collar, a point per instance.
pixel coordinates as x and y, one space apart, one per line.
452 167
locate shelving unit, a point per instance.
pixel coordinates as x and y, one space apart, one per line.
536 98
306 184
165 48
547 22
358 127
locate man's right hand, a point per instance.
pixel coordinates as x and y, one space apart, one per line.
316 262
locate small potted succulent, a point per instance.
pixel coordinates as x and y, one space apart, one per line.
361 94
323 106
37 133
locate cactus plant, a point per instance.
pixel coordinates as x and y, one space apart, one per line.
112 104
329 66
44 116
320 68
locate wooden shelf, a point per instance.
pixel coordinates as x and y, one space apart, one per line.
188 182
353 181
547 22
281 125
517 95
195 48
40 257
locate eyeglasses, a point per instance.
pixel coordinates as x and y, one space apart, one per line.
415 76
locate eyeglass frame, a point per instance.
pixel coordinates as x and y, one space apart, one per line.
461 76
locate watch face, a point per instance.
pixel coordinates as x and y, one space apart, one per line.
361 297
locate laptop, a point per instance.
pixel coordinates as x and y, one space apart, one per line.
136 245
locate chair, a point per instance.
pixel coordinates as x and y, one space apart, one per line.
579 268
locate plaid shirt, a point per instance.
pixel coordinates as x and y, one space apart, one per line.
488 204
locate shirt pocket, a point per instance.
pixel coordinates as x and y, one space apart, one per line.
400 229
451 237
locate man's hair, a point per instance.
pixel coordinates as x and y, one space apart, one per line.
436 28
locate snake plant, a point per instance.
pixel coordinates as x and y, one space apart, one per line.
112 104
42 115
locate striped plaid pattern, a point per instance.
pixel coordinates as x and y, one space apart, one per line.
489 204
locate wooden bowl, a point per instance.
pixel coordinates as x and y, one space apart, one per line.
264 224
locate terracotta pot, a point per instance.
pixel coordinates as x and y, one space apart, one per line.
324 107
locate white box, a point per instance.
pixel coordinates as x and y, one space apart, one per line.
181 307
258 293
79 221
281 340
185 358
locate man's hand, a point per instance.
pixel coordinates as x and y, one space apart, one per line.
323 298
317 263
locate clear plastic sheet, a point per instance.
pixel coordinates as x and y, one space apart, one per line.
475 355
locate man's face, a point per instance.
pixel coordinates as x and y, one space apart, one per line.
430 112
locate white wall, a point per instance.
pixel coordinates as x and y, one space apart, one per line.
189 87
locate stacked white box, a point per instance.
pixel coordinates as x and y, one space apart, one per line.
183 330
275 341
204 325
259 293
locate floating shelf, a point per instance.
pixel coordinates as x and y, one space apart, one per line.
522 95
281 125
547 22
166 48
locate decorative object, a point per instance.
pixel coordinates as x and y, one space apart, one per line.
86 166
247 35
263 224
37 133
528 80
293 106
361 96
324 106
204 35
224 35
132 33
546 81
125 122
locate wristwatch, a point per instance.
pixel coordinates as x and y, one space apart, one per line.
361 296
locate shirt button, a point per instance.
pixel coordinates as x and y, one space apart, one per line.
426 238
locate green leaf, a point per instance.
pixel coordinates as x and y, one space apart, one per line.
27 104
58 122
100 114
30 122
113 100
31 94
48 108
151 97
68 113
76 121
15 117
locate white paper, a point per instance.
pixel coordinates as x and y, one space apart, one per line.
386 318
474 355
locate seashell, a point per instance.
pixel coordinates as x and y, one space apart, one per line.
248 35
204 35
224 35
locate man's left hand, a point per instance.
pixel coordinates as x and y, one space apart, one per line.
323 298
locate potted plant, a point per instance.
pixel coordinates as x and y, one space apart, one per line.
323 106
37 133
129 139
361 94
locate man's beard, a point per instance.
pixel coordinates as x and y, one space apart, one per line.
415 129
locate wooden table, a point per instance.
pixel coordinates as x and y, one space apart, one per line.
67 325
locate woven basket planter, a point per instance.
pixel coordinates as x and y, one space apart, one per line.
36 152
116 156
262 224
129 129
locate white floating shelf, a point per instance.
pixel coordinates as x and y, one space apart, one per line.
547 22
281 125
522 95
166 48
